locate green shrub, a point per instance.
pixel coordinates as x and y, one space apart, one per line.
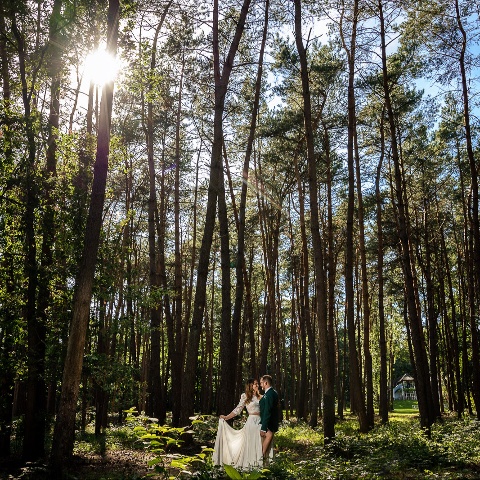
399 449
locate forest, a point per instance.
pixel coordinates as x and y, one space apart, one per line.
193 193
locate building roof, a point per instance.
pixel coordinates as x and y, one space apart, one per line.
405 378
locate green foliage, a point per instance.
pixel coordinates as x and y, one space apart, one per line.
235 474
400 449
197 466
205 428
293 435
157 438
404 407
160 439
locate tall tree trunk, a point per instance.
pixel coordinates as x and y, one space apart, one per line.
306 326
34 435
7 310
250 319
228 335
35 417
269 219
155 403
314 374
384 385
130 281
236 331
216 177
342 370
467 290
188 301
422 378
367 354
463 290
358 400
431 310
304 298
7 341
154 379
161 220
455 327
177 353
326 335
241 270
475 222
100 391
63 437
447 342
332 253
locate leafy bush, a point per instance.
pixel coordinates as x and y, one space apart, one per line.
156 438
400 449
205 429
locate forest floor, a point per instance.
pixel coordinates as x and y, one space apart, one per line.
116 464
397 451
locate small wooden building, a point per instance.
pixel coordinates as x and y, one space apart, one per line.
405 388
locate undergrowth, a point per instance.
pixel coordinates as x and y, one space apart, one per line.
398 450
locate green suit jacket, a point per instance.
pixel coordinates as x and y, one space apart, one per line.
269 411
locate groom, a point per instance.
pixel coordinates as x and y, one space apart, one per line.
268 413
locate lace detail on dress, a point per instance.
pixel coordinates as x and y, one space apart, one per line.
252 407
241 448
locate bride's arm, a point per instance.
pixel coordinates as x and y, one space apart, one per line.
237 410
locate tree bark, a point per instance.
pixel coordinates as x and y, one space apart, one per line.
303 298
35 417
228 335
240 267
8 310
475 222
431 310
269 219
358 400
367 354
455 327
384 386
34 435
64 432
214 187
155 403
176 349
332 254
326 335
422 379
100 392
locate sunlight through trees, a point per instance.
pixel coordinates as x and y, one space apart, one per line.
194 193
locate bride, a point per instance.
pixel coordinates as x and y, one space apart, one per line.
241 448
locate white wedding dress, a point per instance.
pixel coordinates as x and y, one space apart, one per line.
241 448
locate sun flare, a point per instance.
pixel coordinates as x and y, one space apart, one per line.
100 67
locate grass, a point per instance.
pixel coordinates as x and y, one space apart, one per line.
399 450
404 407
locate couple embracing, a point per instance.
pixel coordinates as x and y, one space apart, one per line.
250 446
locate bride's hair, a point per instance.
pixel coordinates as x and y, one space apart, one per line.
249 390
